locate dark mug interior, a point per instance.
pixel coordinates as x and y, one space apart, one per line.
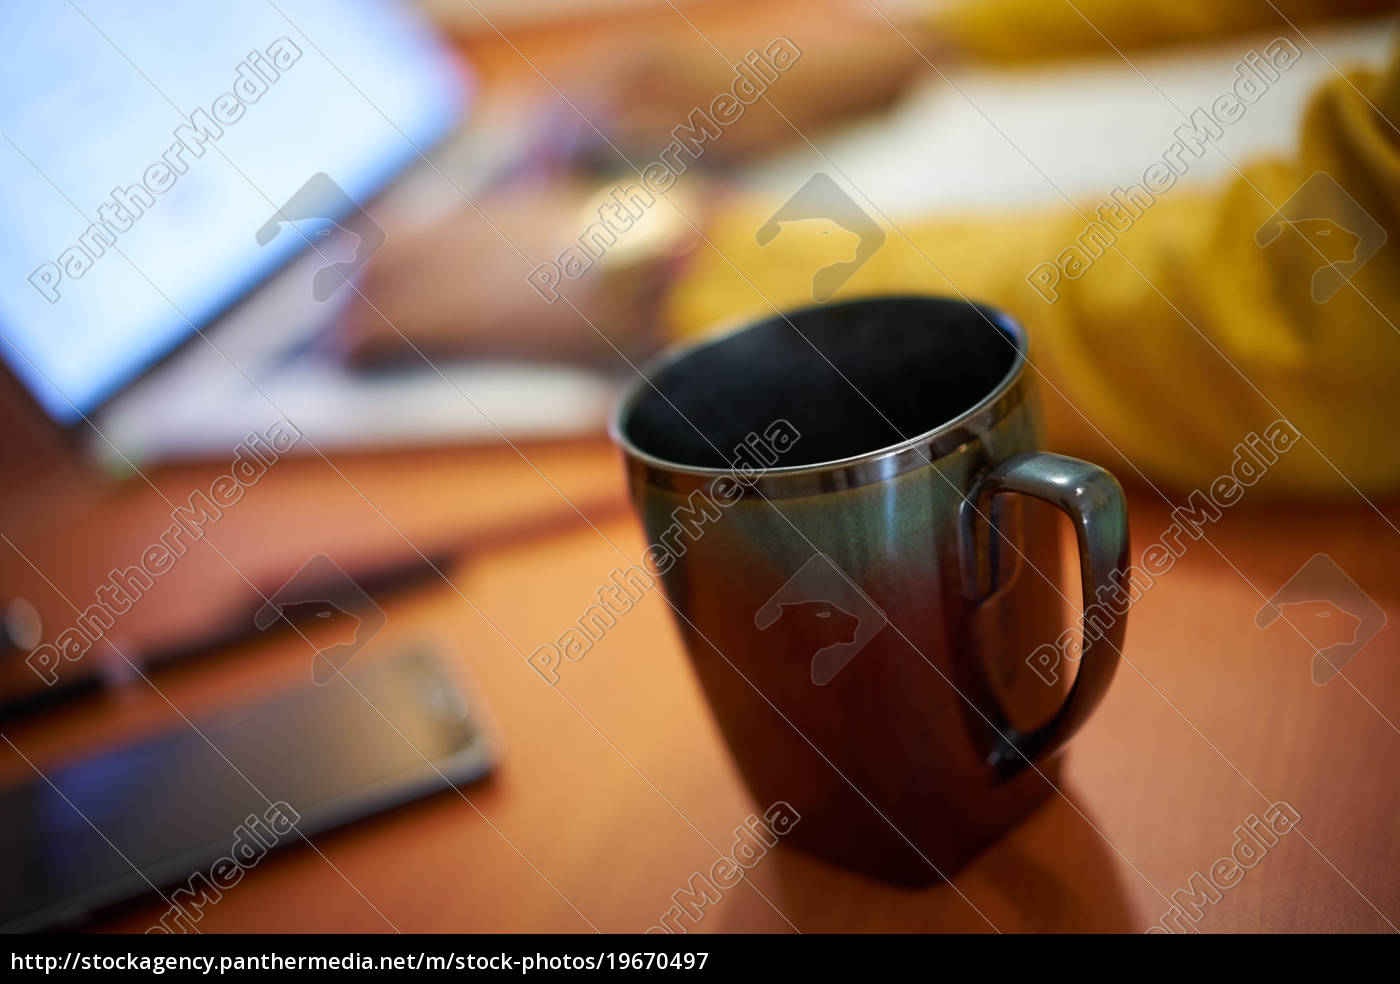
852 378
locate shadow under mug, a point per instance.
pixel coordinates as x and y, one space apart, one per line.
827 498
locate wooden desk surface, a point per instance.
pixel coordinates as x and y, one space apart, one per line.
615 788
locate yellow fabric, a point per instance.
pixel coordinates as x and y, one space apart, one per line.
1019 30
1183 339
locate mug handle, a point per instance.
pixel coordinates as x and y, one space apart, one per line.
1093 500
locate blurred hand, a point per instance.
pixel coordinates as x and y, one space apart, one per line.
637 90
468 285
458 287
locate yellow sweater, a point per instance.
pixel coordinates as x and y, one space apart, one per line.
1198 325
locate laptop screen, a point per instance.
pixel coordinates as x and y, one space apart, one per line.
150 151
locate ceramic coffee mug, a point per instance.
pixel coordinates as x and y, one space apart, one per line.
854 520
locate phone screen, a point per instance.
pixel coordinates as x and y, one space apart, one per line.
162 810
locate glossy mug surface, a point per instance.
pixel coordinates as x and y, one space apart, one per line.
855 522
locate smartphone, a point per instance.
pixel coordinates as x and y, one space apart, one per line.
170 811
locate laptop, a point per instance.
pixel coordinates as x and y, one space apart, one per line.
190 194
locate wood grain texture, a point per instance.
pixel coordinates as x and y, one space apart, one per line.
616 789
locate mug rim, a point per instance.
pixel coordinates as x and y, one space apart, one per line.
858 469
